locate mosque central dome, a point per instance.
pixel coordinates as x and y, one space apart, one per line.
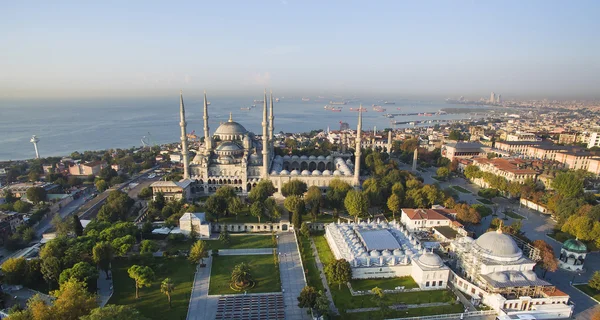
230 130
499 246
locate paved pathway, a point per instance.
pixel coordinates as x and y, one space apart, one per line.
105 288
399 306
332 306
245 252
292 276
202 306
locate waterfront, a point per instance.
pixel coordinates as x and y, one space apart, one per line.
67 126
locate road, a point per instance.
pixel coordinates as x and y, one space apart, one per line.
66 211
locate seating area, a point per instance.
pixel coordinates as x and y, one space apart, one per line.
242 307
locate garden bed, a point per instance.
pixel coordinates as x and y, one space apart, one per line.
262 269
460 189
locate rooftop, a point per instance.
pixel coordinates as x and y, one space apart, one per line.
378 240
428 214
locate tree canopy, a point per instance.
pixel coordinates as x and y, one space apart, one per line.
294 187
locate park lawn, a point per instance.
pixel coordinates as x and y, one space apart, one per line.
461 189
416 312
152 303
262 268
485 201
589 291
321 218
514 215
246 241
310 265
387 284
343 299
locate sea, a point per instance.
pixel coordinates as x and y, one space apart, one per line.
79 125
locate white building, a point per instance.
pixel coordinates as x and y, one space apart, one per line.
521 136
594 140
384 250
423 219
195 221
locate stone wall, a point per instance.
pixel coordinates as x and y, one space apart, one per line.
534 206
251 227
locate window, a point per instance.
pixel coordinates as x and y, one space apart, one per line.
440 283
433 283
427 284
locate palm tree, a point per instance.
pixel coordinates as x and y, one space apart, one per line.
241 274
166 287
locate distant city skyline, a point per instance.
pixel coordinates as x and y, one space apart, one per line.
534 49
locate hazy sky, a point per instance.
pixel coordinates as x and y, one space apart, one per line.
419 48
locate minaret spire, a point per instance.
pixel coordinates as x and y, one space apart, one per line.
389 143
207 141
184 147
356 180
271 118
265 140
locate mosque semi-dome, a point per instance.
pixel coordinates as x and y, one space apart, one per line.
431 260
498 245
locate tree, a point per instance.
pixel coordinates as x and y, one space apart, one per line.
114 312
198 252
148 246
308 297
272 209
568 184
102 254
466 214
224 237
9 197
292 202
472 172
101 185
77 226
235 206
443 173
304 230
33 176
51 269
21 206
579 226
262 191
455 135
257 210
548 261
122 245
36 194
28 234
394 204
73 301
313 199
14 270
293 188
339 271
167 287
337 193
356 203
241 275
82 272
145 193
216 205
594 281
142 275
61 226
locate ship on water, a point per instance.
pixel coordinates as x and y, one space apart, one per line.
378 108
389 102
305 99
359 109
337 102
259 101
276 99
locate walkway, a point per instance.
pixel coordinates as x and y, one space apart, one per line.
105 288
332 306
292 276
202 306
400 306
245 252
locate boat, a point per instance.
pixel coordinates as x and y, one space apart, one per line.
276 99
359 109
336 109
389 115
337 102
245 108
398 108
259 101
377 108
253 106
389 102
208 103
305 99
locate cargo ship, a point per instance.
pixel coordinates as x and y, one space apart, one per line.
377 108
359 109
259 101
337 102
389 102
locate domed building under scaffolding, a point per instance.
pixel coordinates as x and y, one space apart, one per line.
494 270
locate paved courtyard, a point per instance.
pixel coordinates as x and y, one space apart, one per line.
292 276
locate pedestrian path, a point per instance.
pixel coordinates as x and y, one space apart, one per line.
202 306
399 306
332 306
292 276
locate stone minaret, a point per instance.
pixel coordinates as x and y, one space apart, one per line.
271 118
389 144
415 156
184 147
207 140
356 180
265 140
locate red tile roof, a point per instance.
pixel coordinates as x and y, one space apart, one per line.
427 214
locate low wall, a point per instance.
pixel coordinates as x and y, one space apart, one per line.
381 272
534 206
251 227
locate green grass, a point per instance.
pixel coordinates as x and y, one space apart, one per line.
483 211
310 265
386 284
589 291
461 189
241 218
343 299
321 218
485 201
262 268
416 312
512 214
246 241
152 303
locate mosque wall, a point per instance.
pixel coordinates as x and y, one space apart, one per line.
430 279
381 272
